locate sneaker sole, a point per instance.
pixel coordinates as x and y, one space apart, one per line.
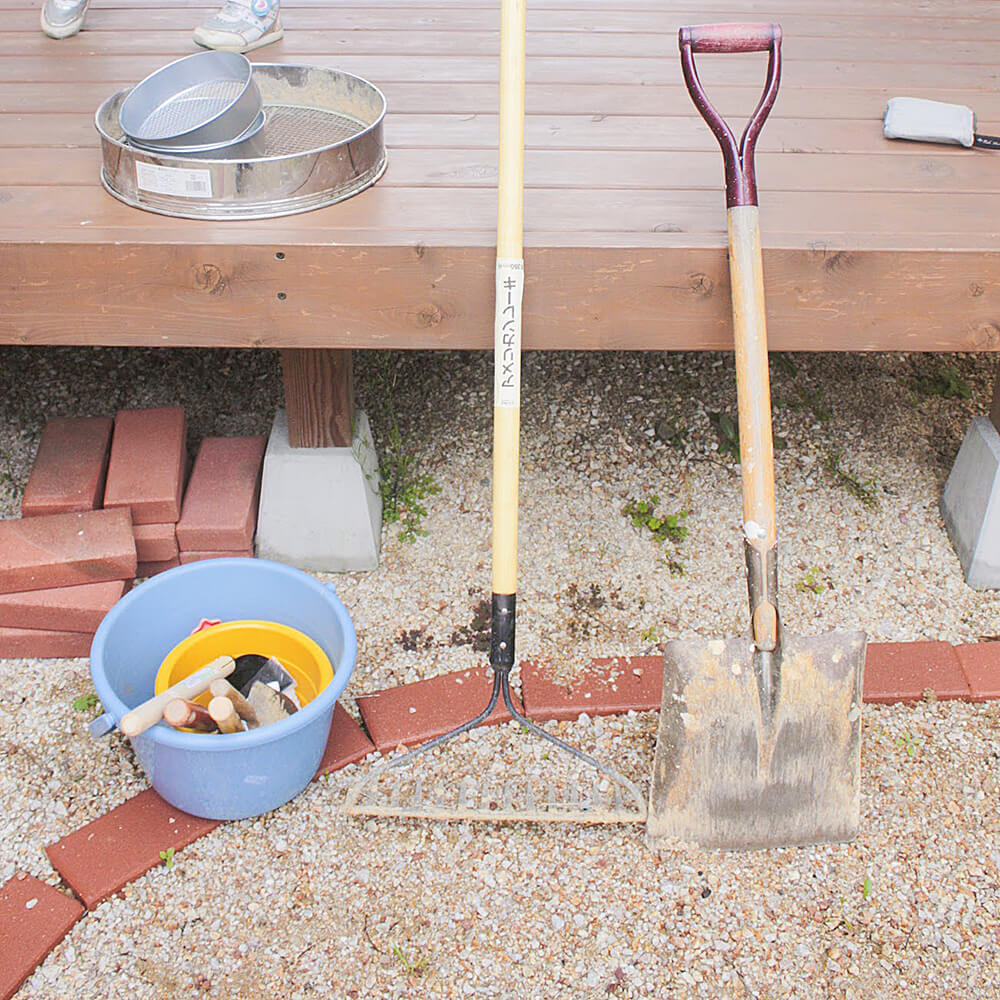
61 30
272 36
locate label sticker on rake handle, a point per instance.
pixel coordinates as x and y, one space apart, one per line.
177 181
507 333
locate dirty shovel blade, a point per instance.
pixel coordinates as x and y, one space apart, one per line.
723 777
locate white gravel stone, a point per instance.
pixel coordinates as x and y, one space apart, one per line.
306 902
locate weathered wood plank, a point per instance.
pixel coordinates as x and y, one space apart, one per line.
441 297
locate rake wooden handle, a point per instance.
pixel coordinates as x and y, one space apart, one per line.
507 331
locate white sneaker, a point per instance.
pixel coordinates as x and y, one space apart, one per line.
62 18
241 25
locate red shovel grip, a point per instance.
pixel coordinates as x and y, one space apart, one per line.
730 37
741 180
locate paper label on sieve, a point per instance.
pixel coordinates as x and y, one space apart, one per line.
178 181
507 333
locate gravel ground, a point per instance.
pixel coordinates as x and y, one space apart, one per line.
307 902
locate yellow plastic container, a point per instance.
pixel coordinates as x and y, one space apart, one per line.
299 655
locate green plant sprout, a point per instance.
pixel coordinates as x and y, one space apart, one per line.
866 887
643 514
946 382
411 967
864 492
84 702
909 743
167 857
810 583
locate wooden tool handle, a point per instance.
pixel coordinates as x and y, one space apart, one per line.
223 712
753 393
150 712
507 331
183 714
221 688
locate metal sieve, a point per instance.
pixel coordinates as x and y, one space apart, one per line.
321 143
200 102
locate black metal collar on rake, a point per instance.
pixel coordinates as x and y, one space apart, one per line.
741 180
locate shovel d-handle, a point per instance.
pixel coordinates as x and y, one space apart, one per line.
741 181
746 274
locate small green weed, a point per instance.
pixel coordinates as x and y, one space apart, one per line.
414 966
643 514
909 743
866 493
728 431
784 363
167 857
946 382
671 430
866 887
811 583
84 702
650 634
403 489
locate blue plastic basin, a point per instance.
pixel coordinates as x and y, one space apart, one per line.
244 774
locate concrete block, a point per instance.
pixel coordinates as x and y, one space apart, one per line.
148 464
970 505
70 466
320 508
64 550
155 542
220 503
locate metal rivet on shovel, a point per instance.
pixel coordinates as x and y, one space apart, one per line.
759 743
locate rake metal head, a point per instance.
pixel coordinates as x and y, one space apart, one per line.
589 793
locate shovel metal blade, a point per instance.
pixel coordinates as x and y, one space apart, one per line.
726 775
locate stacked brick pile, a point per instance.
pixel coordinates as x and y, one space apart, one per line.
66 561
105 503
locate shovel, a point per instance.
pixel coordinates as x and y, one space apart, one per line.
759 742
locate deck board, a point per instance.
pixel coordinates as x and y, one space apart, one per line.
868 244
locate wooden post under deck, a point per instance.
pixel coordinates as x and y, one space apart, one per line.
319 397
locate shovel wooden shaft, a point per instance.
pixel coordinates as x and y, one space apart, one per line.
753 393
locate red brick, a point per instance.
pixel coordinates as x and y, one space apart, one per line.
347 743
70 467
146 469
34 918
147 569
220 504
609 687
73 609
43 643
102 857
155 542
65 550
190 557
415 713
904 671
980 664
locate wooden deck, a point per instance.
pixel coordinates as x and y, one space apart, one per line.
869 245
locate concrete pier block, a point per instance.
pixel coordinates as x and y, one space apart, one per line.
970 505
320 508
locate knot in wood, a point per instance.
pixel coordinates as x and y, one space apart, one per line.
986 337
429 316
701 284
209 278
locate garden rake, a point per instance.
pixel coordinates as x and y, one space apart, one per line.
394 788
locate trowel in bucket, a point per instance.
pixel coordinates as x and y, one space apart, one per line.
759 742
